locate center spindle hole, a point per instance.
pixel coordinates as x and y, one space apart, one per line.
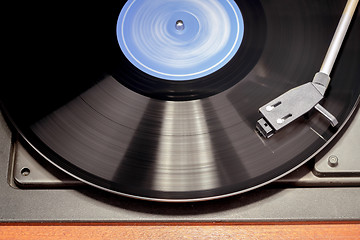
179 25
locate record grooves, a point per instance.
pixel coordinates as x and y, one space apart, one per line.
78 101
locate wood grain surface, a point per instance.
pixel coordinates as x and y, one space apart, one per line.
88 231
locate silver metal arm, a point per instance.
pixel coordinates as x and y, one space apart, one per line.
286 108
338 37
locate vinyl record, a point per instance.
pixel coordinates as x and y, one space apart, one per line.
159 101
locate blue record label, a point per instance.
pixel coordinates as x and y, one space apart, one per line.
180 40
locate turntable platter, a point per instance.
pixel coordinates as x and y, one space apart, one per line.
91 109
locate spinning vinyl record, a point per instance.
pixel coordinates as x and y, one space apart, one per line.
158 100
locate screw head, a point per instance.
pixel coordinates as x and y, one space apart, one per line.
25 171
333 161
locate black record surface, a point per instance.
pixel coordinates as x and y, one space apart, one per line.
78 101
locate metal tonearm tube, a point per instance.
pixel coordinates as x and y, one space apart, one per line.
294 103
